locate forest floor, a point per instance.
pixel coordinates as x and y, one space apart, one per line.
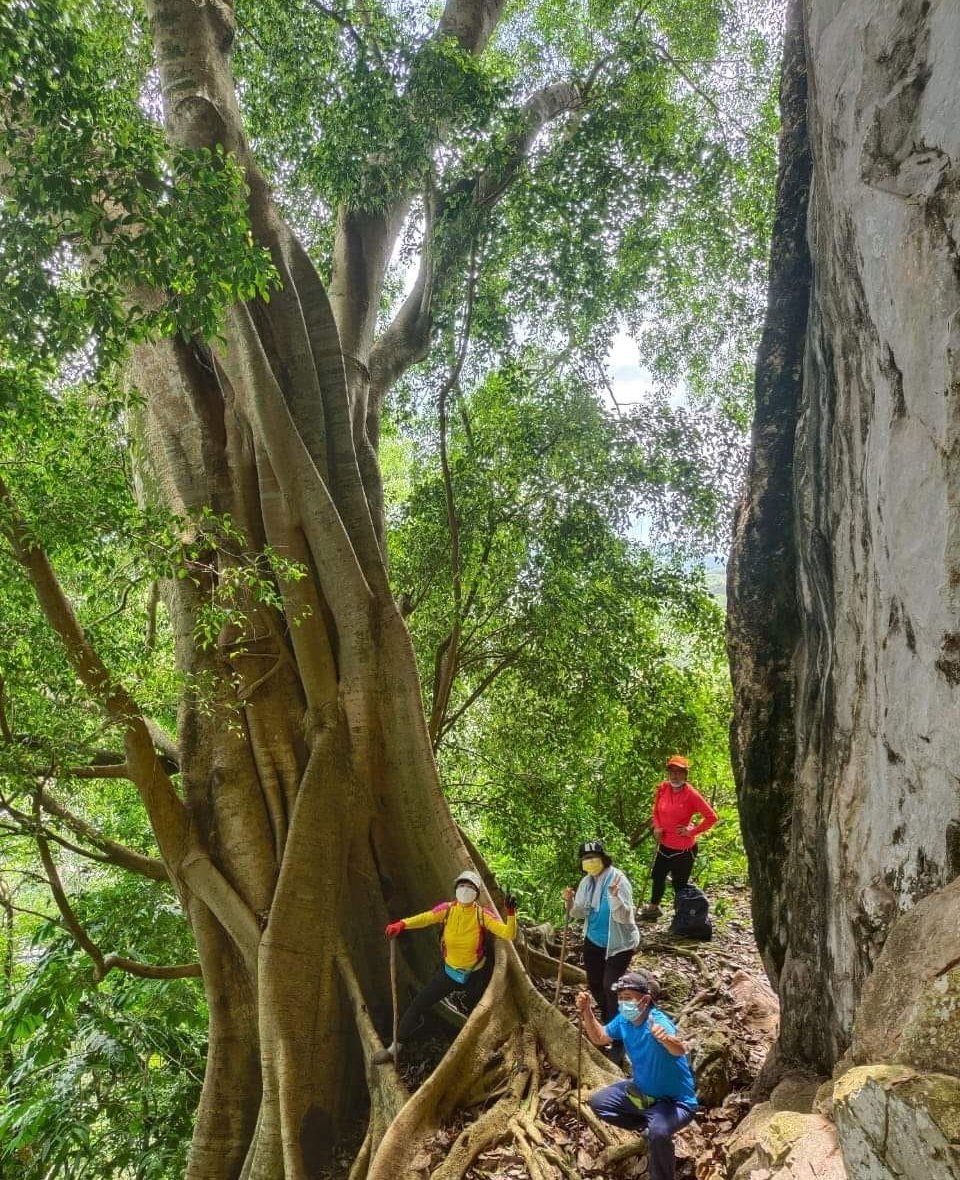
717 994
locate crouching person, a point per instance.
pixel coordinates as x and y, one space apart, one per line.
661 1096
467 965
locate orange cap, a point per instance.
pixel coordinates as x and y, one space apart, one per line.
678 760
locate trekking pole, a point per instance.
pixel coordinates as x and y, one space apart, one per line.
646 876
576 1142
393 997
563 951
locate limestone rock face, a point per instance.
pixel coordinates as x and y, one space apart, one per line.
910 1009
847 728
711 1057
756 1004
894 1123
791 1146
796 1092
742 1144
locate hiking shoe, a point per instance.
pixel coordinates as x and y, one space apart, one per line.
384 1056
650 913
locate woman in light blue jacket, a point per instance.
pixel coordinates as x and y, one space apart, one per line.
604 903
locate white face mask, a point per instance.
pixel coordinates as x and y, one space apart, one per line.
466 894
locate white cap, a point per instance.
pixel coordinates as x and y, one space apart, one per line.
471 878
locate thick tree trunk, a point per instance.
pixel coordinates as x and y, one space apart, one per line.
846 672
325 815
307 769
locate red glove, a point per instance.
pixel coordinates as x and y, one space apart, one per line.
392 929
509 903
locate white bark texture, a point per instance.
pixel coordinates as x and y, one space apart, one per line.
864 785
311 811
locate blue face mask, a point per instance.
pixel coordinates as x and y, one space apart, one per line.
629 1009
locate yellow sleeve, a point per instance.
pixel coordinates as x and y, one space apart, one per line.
428 918
507 930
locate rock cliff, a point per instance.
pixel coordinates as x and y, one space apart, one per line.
844 591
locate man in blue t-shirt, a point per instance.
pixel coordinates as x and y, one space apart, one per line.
661 1097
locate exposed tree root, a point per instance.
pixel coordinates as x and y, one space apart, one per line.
512 1027
569 1170
622 1151
358 1169
490 1127
673 948
387 1092
546 967
606 1133
526 1149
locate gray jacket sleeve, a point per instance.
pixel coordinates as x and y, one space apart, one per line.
579 908
621 905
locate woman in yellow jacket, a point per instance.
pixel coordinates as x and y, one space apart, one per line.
463 944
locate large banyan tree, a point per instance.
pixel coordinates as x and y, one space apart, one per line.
250 221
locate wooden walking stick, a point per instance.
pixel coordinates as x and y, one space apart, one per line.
576 1142
563 950
393 997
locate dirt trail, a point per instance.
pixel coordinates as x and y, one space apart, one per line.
719 997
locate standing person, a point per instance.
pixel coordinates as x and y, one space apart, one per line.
604 902
466 964
674 806
661 1097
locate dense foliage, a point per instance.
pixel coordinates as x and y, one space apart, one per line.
584 658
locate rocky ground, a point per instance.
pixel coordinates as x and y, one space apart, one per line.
718 995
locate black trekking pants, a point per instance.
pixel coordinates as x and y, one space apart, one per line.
676 864
602 973
439 986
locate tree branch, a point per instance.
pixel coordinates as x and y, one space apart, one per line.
70 919
150 970
4 723
668 59
109 851
481 688
406 340
22 909
481 566
165 809
163 741
373 50
470 22
153 601
101 964
448 664
540 109
98 770
114 852
365 240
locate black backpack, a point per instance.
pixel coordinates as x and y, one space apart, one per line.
691 914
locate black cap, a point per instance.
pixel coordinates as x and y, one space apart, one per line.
637 981
592 848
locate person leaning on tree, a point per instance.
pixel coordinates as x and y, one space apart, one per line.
674 806
661 1097
466 966
604 903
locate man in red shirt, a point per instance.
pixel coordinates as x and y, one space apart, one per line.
674 806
